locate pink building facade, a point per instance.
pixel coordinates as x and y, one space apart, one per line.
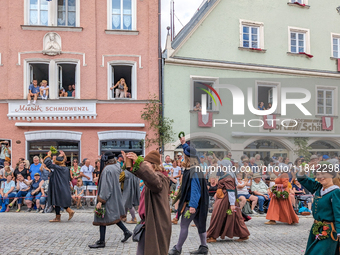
88 44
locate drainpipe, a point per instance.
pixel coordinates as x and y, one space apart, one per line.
160 62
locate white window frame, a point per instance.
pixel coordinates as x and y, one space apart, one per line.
53 76
306 39
134 85
134 16
276 85
260 36
214 80
334 90
52 13
335 36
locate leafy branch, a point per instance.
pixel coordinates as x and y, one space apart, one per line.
303 149
161 127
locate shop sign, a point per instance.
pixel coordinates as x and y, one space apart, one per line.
299 126
52 109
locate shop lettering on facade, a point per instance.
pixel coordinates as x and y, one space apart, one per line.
38 108
303 125
74 108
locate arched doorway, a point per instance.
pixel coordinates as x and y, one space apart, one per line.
325 147
205 146
266 148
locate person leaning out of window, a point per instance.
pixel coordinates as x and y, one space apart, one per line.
121 88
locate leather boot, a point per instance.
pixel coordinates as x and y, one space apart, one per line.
201 250
175 221
70 213
132 221
98 244
127 235
174 251
57 219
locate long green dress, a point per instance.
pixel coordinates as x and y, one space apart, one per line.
325 208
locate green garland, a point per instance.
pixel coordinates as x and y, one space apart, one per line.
280 194
181 134
53 150
187 214
100 213
136 165
229 212
321 230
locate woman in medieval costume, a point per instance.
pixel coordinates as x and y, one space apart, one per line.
131 194
154 204
109 196
227 219
324 235
194 201
59 192
281 209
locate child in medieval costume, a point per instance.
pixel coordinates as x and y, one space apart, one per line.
194 201
109 197
154 204
59 193
281 209
227 219
324 235
131 194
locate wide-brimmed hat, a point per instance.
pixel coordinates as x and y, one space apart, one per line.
190 152
153 157
314 157
257 175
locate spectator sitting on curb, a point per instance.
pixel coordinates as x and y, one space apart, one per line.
34 193
6 192
23 186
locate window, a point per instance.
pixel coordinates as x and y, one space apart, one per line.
301 2
122 80
116 146
63 13
325 101
335 45
251 34
121 15
38 12
67 13
264 93
250 37
201 86
62 78
299 40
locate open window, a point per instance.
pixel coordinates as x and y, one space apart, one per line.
66 80
265 95
38 72
202 86
122 83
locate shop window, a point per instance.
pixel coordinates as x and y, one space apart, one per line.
325 148
66 78
123 81
53 13
41 148
202 88
121 14
116 146
336 45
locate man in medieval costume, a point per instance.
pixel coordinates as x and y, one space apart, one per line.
59 191
109 197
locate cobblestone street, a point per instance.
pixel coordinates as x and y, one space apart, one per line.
31 233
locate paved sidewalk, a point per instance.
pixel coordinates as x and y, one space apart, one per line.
31 233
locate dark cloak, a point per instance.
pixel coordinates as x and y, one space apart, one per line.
59 191
203 204
131 192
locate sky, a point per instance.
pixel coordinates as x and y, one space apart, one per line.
184 10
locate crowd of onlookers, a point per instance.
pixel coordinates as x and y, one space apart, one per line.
41 90
27 183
